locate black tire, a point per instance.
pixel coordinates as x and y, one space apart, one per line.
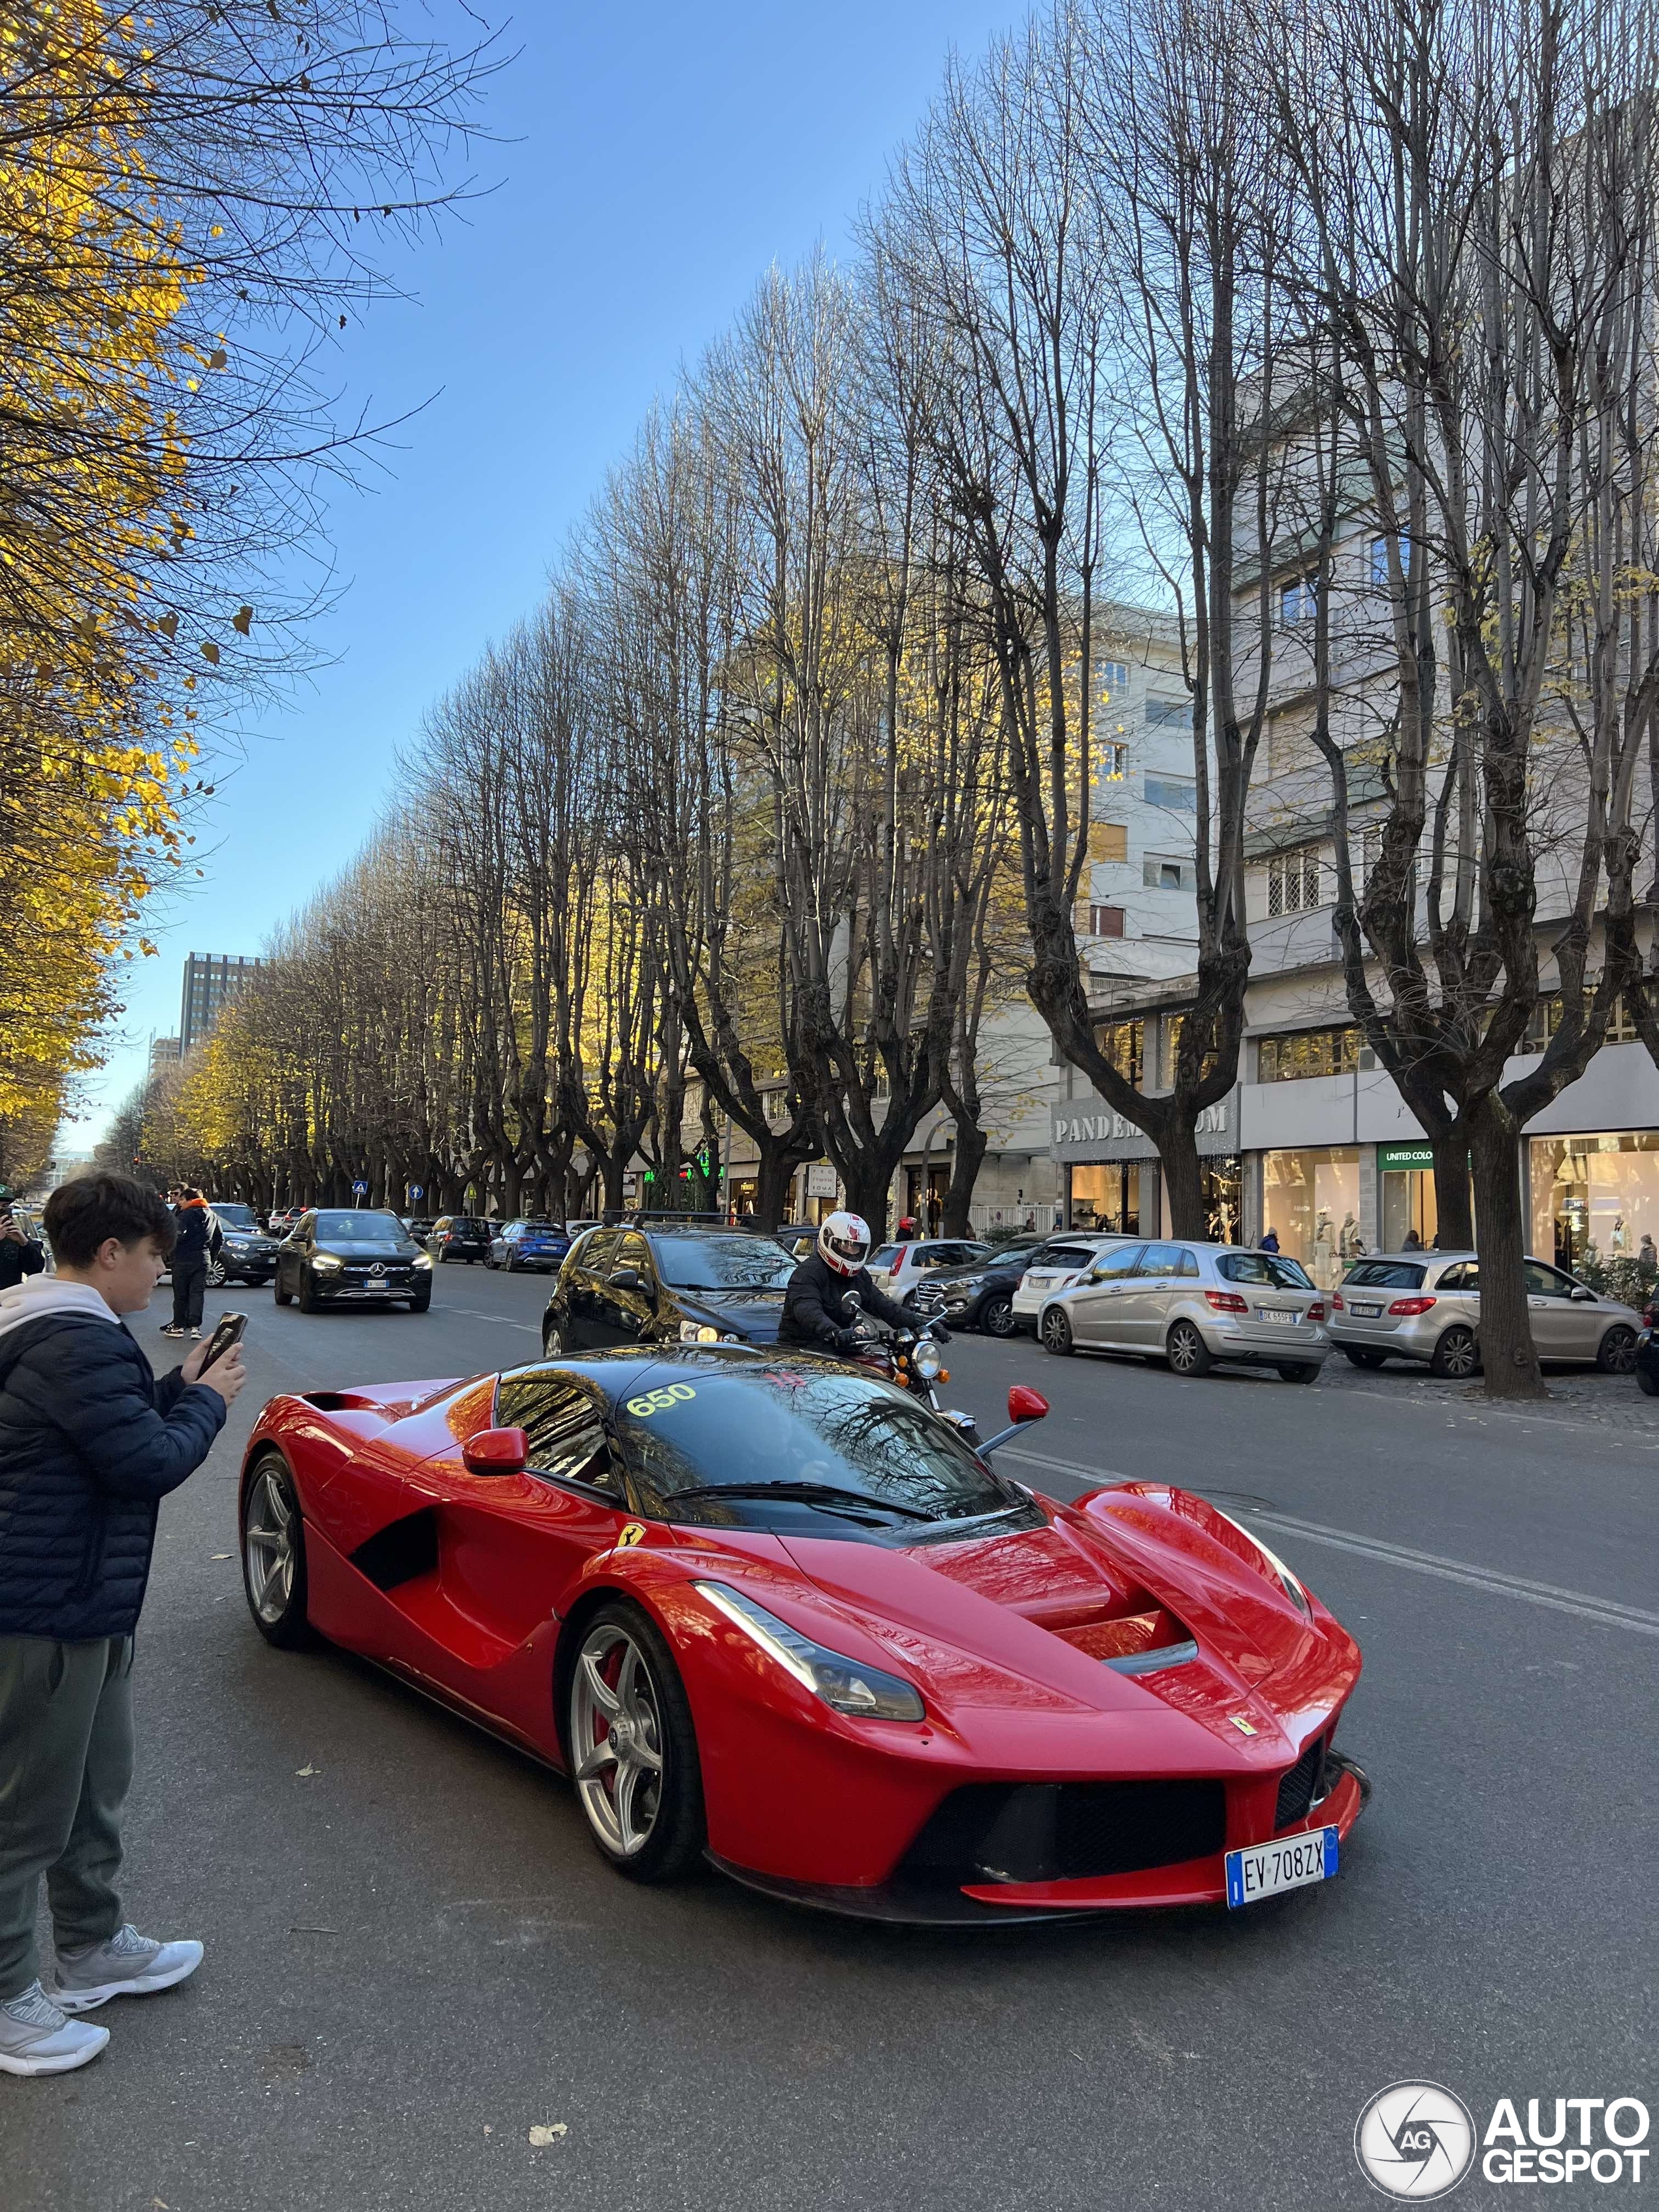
421 1305
552 1340
1361 1357
1456 1356
678 1833
309 1301
1303 1370
1055 1331
1617 1351
1647 1383
289 1630
284 1298
507 1265
1189 1355
996 1316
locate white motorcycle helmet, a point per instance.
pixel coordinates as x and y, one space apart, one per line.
844 1242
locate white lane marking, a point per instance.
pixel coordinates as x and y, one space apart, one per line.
474 1313
1064 1466
1606 1613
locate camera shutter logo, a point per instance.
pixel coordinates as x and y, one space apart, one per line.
1415 2140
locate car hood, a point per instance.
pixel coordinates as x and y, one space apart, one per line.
356 1248
754 1314
947 1278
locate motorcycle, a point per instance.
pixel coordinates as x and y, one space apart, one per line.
912 1359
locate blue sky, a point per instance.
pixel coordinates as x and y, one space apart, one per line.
658 158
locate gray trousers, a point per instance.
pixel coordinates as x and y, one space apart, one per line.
65 1764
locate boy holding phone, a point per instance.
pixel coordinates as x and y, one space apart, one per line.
90 1442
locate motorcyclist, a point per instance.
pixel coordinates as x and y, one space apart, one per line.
815 1308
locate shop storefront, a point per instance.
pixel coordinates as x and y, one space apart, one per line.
1594 1197
1408 1208
1310 1200
1107 1196
1111 1176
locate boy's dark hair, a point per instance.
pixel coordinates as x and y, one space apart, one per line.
79 1215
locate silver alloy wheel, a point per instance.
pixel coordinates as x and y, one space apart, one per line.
996 1318
1185 1350
268 1542
552 1343
1457 1355
216 1274
1056 1331
1618 1352
616 1739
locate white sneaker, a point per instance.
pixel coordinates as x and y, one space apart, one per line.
35 2037
128 1965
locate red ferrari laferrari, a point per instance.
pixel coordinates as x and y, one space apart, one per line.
774 1613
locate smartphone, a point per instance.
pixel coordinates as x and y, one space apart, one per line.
228 1331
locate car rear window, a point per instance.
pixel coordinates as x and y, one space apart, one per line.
1386 1275
1270 1271
884 1258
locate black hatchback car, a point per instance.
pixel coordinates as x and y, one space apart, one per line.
461 1236
666 1285
980 1295
355 1257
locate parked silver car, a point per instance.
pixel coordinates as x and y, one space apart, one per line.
1065 1259
1192 1305
1426 1306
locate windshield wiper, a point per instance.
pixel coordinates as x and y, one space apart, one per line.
825 1494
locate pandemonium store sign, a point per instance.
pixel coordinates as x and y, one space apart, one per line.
1081 1130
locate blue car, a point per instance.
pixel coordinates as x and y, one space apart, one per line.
528 1244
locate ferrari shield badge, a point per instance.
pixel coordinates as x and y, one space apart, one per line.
1244 1727
633 1533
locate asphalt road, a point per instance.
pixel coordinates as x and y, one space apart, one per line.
415 1957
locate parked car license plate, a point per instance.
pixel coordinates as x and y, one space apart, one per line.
1288 1314
1365 1312
1265 1868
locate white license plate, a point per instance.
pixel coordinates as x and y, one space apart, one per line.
1265 1868
1283 1313
1364 1313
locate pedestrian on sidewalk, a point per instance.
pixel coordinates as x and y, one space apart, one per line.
90 1444
193 1226
20 1255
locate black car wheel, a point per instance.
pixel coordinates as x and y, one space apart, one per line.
274 1554
284 1298
1361 1357
1618 1354
1186 1352
1303 1371
1056 1331
1647 1382
1456 1356
996 1315
423 1304
507 1265
632 1748
309 1301
552 1341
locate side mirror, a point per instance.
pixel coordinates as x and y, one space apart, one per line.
1026 1404
626 1279
1582 1294
496 1451
853 1300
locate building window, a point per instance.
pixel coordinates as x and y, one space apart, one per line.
1122 1044
1621 1027
1113 762
1178 793
1169 714
1293 881
1297 601
1291 1055
1088 920
1380 562
1111 677
1160 875
1106 1198
1108 841
1546 1019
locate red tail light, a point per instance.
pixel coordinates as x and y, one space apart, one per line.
1317 1311
1406 1307
1336 1302
1226 1301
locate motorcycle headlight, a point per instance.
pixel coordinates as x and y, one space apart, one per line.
926 1359
846 1684
698 1332
422 1259
325 1263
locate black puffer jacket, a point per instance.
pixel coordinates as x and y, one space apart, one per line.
90 1442
814 1303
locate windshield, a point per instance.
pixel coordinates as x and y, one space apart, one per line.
785 1425
234 1216
722 1263
1271 1270
363 1228
1387 1275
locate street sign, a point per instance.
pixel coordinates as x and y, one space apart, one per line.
417 1190
820 1180
359 1190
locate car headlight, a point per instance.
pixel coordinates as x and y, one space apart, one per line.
324 1263
1292 1586
421 1260
926 1359
698 1332
843 1683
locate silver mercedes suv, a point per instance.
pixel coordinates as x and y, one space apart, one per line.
1426 1306
1194 1305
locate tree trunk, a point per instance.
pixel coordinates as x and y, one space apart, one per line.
867 1184
1508 1354
1183 1179
1454 1216
972 1144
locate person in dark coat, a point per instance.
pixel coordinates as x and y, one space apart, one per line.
90 1442
20 1255
815 1308
193 1232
